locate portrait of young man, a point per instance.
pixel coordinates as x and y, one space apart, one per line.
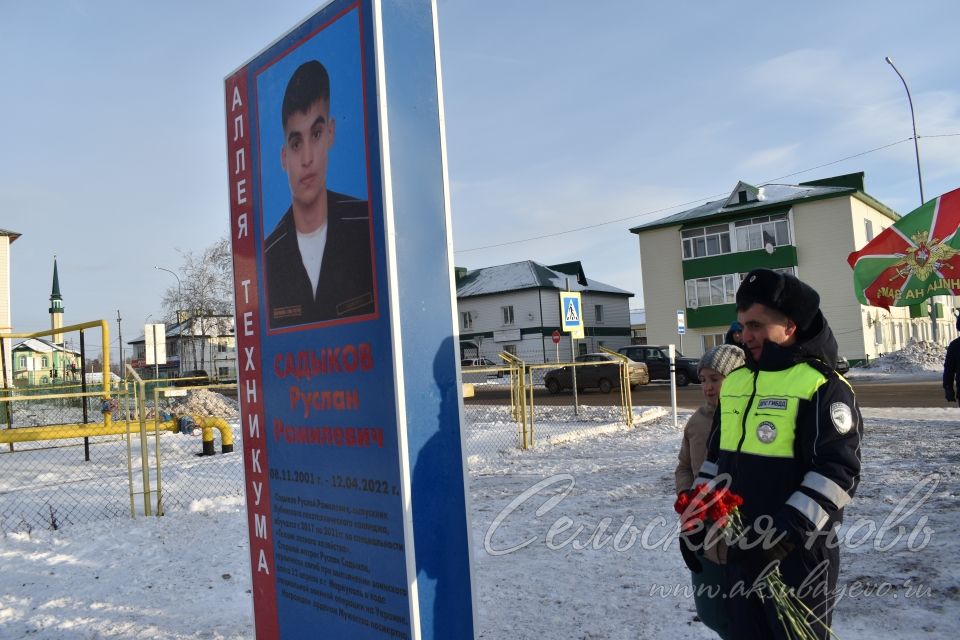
317 260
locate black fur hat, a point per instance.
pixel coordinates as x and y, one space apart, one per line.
781 292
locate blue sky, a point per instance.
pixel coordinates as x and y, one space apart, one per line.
559 115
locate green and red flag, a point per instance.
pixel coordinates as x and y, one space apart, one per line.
915 258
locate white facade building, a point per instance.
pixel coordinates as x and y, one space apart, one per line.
206 343
516 308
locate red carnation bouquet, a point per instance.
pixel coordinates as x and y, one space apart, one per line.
721 507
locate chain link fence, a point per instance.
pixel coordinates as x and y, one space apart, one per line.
68 457
63 456
518 405
187 470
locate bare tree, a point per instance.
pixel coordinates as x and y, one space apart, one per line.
203 295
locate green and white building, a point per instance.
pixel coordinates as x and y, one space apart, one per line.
694 260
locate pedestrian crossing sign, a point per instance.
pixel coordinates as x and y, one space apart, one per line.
571 316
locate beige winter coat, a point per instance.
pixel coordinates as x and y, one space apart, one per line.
693 450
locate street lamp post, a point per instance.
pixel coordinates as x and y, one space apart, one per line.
916 150
913 119
179 303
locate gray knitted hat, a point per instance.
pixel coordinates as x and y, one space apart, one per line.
723 359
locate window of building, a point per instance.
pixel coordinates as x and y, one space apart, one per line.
598 313
582 348
44 362
711 340
878 332
466 319
704 292
507 314
510 348
221 347
223 372
757 233
705 241
869 228
23 362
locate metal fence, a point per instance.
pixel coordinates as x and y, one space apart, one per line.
503 413
140 449
63 460
71 457
183 473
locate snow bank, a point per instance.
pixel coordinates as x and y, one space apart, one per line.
919 359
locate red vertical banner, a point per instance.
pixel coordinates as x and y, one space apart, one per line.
253 424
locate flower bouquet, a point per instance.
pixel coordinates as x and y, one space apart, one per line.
720 506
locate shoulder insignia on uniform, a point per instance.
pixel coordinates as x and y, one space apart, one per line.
842 417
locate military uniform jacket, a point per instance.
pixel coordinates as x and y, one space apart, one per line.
345 287
788 431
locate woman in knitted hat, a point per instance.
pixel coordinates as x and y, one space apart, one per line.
707 573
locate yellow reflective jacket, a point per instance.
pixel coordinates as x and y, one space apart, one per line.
787 432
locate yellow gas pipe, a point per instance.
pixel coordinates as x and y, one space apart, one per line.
116 428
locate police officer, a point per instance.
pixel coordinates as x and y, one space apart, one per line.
787 436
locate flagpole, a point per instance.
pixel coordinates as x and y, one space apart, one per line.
916 150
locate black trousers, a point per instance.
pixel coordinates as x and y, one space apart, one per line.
811 573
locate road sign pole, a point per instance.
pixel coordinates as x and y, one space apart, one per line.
673 381
573 367
156 363
681 326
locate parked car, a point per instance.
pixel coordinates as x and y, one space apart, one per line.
481 362
600 376
195 378
477 362
843 365
658 363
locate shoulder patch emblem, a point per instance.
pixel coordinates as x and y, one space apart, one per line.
842 417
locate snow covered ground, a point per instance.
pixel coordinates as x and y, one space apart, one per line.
614 573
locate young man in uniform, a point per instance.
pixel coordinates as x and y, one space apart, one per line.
317 259
786 435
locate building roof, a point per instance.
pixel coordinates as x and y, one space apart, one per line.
13 235
528 274
42 346
183 328
760 200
